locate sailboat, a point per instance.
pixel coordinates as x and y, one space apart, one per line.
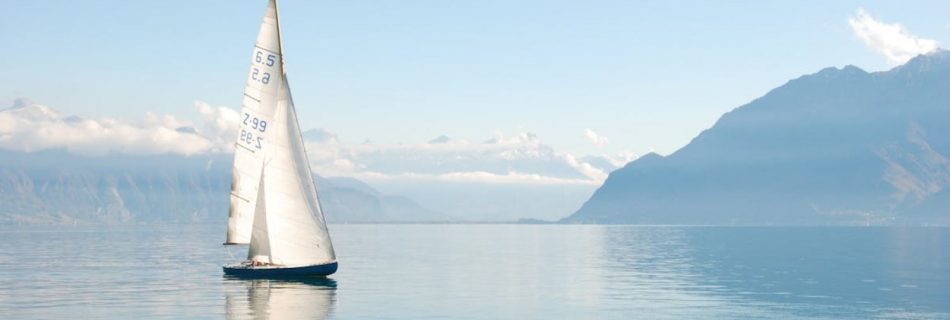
274 204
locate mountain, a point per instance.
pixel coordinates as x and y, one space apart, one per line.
58 187
838 147
350 200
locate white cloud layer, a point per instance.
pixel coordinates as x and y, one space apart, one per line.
31 127
220 125
510 178
596 139
515 159
891 40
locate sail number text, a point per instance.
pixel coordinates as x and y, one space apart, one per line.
254 122
262 77
264 59
249 138
268 61
251 133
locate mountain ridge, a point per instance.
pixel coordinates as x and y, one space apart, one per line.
840 146
58 187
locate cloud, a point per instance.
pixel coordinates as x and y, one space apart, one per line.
221 125
891 40
510 178
521 158
320 135
584 168
440 139
32 127
596 139
513 159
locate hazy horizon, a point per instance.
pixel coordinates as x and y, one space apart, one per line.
448 102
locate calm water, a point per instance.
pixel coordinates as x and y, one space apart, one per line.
488 271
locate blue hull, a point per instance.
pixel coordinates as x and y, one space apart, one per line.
245 271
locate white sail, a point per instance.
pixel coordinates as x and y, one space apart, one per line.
260 232
288 222
257 110
296 229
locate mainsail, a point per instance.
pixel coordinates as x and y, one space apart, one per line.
257 111
278 212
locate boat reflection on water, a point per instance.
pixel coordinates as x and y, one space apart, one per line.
279 299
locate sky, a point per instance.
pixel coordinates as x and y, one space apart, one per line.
588 77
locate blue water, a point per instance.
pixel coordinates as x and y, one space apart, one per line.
487 272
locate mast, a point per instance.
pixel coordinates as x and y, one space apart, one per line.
280 45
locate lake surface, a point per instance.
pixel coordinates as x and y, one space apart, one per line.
487 272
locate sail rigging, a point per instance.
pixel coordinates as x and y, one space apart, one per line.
274 202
